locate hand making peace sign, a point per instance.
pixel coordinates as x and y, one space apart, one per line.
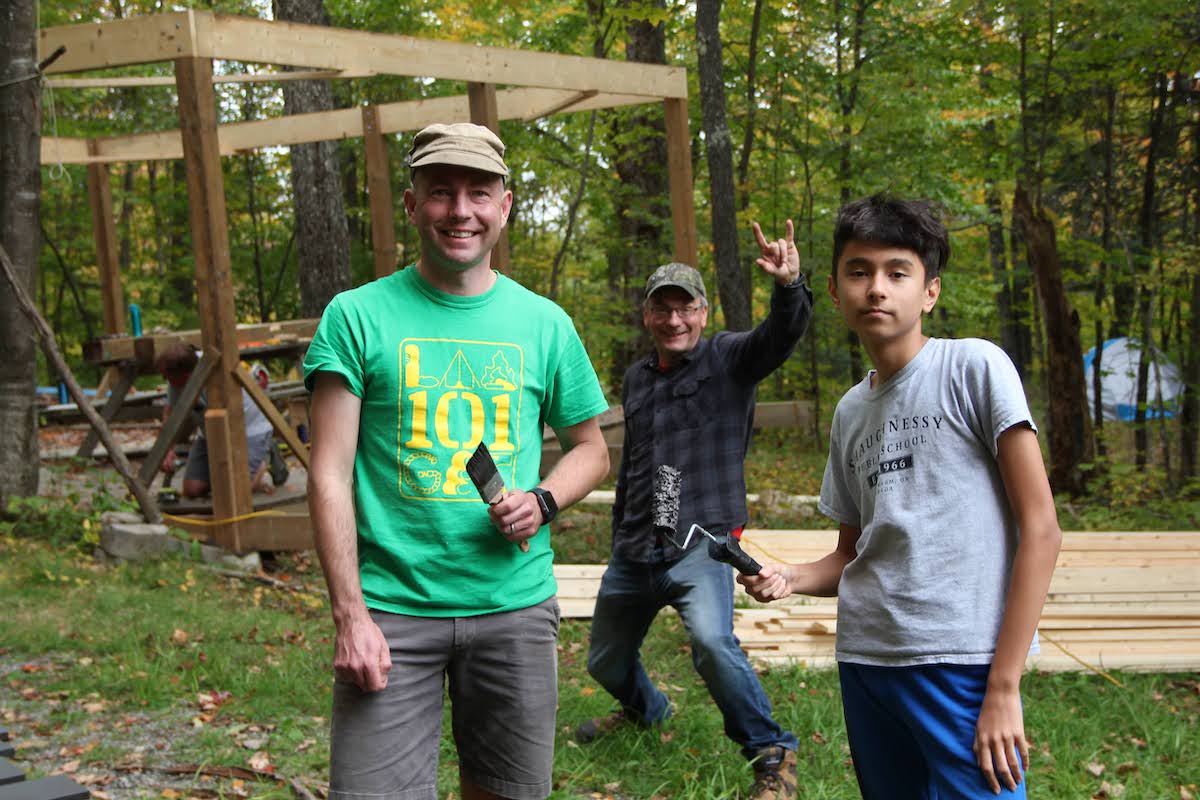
780 259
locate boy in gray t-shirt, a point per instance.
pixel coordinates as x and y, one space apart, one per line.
948 532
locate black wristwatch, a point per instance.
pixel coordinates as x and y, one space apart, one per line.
546 503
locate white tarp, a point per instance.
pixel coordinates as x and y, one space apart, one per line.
1118 381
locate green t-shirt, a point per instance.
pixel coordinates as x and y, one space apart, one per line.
437 373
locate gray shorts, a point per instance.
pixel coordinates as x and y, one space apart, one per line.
197 463
502 672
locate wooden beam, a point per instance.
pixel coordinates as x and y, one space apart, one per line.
251 387
118 43
115 399
104 232
409 115
562 105
179 414
481 98
134 82
229 466
379 192
218 436
322 47
146 348
679 170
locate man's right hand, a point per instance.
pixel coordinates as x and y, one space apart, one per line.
168 462
361 655
773 582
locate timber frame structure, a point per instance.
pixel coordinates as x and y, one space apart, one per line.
537 85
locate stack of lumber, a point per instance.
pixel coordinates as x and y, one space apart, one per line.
1117 601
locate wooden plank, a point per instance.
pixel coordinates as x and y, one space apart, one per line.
116 399
135 81
783 414
117 43
323 47
229 471
272 413
379 192
289 531
679 171
56 787
562 105
104 233
179 415
1124 579
216 434
410 115
283 334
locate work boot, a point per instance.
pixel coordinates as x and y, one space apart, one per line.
774 774
591 730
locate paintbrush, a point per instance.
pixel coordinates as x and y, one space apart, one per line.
482 470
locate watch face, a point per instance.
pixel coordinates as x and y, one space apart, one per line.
547 504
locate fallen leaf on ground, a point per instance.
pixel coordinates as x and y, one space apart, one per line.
261 762
1095 769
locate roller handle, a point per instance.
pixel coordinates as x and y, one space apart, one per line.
726 549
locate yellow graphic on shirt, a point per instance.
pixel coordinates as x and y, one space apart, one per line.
455 393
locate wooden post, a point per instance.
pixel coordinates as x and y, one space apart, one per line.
679 171
229 471
104 231
379 189
481 99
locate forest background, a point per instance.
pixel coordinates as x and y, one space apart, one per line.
1061 138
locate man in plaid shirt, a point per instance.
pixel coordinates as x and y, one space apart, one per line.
690 406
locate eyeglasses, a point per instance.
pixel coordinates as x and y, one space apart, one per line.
663 313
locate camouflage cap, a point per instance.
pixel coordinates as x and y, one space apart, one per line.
461 144
676 274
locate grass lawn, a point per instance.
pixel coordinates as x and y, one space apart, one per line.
167 680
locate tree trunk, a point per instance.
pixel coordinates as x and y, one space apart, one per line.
1069 426
1101 291
1146 242
1190 415
733 284
322 235
641 202
20 188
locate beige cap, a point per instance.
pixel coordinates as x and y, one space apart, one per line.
461 144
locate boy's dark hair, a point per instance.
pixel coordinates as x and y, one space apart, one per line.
888 220
178 359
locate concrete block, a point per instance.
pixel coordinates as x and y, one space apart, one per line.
133 541
123 517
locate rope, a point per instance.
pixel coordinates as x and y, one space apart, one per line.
211 522
762 550
1083 663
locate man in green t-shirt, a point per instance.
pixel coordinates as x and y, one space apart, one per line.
408 374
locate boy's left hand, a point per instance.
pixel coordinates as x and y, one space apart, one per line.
780 259
1000 739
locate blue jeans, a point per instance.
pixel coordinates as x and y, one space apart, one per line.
701 590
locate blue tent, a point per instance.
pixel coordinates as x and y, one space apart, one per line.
1118 381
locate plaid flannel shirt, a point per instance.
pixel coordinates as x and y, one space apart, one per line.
697 418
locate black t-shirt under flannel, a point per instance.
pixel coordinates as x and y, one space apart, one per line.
697 417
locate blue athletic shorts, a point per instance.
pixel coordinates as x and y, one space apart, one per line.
912 729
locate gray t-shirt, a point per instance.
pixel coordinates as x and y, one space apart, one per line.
912 463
